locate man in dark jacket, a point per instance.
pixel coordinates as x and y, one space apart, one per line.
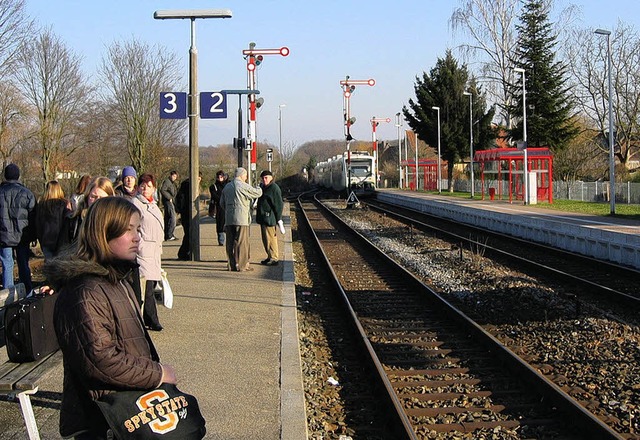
168 191
215 209
17 226
269 216
183 205
17 210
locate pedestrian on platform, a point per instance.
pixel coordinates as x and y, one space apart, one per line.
183 203
128 187
150 249
17 227
168 191
78 194
100 187
104 344
52 220
269 216
215 209
237 198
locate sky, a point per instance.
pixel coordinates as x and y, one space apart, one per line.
390 42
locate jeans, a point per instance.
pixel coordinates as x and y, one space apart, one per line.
6 258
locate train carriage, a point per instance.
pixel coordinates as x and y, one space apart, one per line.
334 173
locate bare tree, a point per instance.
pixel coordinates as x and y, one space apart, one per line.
133 75
15 28
586 53
49 75
13 120
491 26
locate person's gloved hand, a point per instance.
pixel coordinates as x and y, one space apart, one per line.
281 226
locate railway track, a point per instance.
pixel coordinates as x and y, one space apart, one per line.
443 375
595 276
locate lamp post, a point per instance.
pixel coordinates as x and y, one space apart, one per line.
524 135
470 95
399 125
194 165
612 183
280 107
439 178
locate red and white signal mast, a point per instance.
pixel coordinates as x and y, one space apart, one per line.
374 123
348 87
254 58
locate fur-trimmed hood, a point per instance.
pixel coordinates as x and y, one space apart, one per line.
61 270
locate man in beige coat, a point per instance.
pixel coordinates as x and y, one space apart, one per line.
237 198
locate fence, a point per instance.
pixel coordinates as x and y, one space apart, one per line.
598 191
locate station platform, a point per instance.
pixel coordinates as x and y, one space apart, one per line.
232 338
601 237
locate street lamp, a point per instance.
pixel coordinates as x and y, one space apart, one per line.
399 125
439 178
280 107
194 165
470 95
524 135
612 183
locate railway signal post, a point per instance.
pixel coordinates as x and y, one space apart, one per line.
254 58
348 86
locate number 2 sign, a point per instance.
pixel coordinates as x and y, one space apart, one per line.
173 105
213 105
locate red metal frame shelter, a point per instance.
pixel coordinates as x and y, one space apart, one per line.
429 173
510 161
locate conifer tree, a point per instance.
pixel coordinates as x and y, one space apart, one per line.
444 87
549 108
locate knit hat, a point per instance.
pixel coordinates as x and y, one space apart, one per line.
129 171
266 173
12 172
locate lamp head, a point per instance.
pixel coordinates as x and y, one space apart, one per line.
602 32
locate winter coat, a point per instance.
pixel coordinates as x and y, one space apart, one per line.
168 191
236 200
152 230
17 215
52 224
105 346
269 210
214 205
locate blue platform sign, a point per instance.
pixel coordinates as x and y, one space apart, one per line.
173 105
213 105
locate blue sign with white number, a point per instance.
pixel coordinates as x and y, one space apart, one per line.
213 105
173 105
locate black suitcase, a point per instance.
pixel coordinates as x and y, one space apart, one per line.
29 328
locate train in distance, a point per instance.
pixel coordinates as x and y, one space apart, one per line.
333 173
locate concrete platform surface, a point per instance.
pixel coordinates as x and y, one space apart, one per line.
232 338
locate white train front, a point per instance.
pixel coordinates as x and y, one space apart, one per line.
333 173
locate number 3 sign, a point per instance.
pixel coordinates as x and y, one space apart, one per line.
173 105
213 105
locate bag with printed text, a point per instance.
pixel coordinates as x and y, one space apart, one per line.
164 413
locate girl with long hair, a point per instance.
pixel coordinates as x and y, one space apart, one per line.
104 344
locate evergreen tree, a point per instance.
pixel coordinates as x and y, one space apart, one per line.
444 87
549 108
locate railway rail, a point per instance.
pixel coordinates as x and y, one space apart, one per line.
442 373
595 276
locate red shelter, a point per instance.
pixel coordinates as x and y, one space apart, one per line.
429 169
499 163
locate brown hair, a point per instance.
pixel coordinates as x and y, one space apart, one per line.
82 184
146 178
108 218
